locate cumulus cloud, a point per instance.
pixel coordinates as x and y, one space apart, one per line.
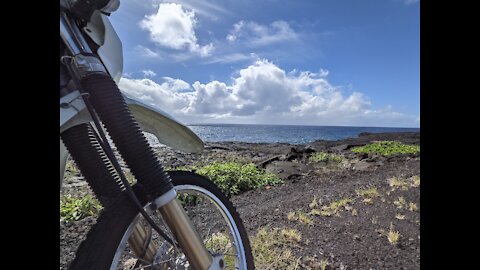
256 35
157 94
265 93
174 27
176 85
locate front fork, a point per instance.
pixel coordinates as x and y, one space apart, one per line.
171 210
188 238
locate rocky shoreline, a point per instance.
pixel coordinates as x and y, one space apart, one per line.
346 240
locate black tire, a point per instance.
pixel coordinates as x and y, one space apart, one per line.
98 249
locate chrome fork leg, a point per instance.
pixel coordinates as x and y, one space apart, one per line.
188 238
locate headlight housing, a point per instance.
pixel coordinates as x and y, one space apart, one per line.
85 8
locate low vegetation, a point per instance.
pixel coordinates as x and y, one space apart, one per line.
130 178
398 183
387 148
300 216
220 243
332 209
400 202
271 248
71 171
393 236
314 202
415 181
368 194
303 218
73 209
326 157
323 264
72 168
291 234
233 178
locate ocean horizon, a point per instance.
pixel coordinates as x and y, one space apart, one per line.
293 134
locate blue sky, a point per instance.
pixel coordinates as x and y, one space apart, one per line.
312 62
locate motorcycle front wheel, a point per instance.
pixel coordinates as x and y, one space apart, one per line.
108 243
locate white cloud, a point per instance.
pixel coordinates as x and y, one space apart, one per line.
176 85
265 93
161 95
256 35
149 73
146 52
174 27
232 58
323 72
207 9
409 2
127 75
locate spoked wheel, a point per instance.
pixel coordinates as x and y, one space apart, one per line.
121 236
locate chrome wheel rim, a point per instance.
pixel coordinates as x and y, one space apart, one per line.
235 251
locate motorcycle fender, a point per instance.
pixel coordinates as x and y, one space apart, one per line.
153 120
167 130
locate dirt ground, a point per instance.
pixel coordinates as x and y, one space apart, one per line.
354 237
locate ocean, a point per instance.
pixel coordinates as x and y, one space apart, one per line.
283 133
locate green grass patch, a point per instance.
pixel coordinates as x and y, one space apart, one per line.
233 178
387 148
73 209
326 157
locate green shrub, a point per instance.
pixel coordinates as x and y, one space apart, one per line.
326 157
73 209
233 177
387 148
